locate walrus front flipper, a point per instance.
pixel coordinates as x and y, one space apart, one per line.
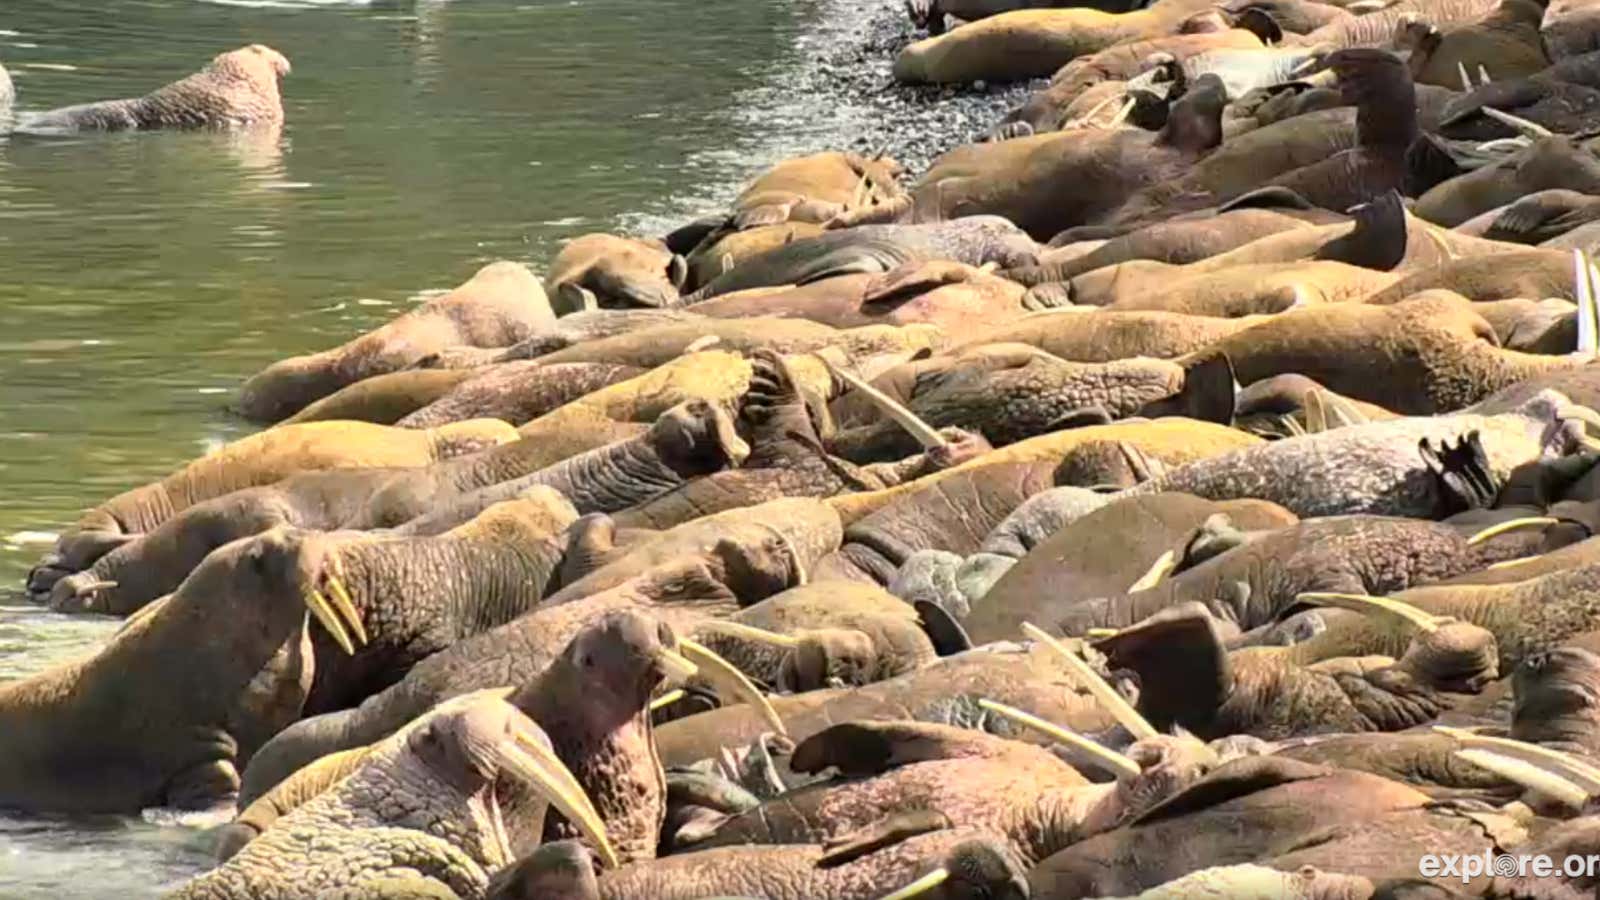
1428 163
1181 662
1378 240
1462 471
1271 197
880 834
1541 216
942 629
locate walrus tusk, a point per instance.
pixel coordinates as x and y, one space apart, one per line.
324 613
1531 129
678 668
1466 80
926 435
921 886
1564 765
749 633
91 587
1122 114
1500 528
725 677
1119 709
667 699
1590 420
1483 75
1088 116
1343 411
1304 66
341 599
1527 775
533 759
1107 757
1508 563
1505 145
1316 414
1100 634
1159 570
1366 604
1588 313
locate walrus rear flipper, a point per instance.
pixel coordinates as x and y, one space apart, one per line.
1462 471
1378 240
1207 394
1178 654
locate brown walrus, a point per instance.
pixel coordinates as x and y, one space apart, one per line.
236 88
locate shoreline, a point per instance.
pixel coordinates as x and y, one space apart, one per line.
837 93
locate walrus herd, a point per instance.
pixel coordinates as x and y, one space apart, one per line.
1191 489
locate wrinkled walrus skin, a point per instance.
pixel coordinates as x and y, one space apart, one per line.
1185 484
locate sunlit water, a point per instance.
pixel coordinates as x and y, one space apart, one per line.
143 276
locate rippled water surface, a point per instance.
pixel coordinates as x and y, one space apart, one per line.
143 276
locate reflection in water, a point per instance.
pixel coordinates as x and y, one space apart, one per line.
143 276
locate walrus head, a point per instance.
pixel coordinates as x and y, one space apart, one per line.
250 63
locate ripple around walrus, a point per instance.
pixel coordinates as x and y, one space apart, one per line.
147 274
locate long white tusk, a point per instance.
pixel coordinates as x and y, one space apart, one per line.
1163 566
926 435
667 699
1505 145
1366 605
1594 301
1565 765
1316 414
1111 759
1588 325
1527 775
1119 709
921 886
1341 411
1088 116
1466 82
1483 75
1500 528
1531 129
1122 114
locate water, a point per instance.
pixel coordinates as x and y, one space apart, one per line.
143 276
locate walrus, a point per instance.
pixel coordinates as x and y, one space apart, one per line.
235 89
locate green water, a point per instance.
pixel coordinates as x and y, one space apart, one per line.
143 276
